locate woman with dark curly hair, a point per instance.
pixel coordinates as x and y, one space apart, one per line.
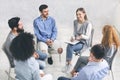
26 67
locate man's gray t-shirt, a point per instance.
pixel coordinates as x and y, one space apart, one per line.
6 46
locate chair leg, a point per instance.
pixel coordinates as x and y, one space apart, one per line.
8 73
112 75
59 57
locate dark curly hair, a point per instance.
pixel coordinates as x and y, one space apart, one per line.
22 46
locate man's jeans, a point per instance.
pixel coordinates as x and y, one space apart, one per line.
42 56
63 78
41 59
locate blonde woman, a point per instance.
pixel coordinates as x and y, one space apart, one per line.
110 41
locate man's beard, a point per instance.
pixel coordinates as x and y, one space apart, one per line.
45 16
20 30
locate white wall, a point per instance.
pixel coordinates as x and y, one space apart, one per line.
100 12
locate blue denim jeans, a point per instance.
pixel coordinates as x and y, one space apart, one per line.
42 57
71 49
63 78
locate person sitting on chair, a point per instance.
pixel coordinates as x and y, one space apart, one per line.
82 33
96 69
16 26
111 42
26 67
46 32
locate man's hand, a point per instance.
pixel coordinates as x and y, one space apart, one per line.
49 42
36 55
42 73
75 74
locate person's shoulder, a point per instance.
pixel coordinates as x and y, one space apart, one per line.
88 22
31 60
105 63
33 64
36 19
75 21
51 18
10 37
87 68
87 71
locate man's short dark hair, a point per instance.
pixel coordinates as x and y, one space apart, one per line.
98 51
43 6
22 46
13 22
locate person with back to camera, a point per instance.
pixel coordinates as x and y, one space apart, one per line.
110 41
26 67
97 67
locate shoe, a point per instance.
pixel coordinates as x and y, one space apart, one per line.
50 61
67 68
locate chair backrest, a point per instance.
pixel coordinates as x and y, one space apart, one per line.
86 46
91 38
10 58
112 58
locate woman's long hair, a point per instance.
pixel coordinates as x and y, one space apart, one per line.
82 10
110 36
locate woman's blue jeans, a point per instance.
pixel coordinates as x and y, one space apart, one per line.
71 49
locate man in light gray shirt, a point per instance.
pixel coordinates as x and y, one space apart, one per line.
16 28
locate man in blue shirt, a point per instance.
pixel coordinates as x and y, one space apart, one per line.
96 69
46 32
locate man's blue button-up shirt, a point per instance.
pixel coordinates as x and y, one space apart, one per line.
45 29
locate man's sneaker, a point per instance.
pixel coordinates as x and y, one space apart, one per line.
50 61
67 68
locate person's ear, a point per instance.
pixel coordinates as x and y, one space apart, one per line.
15 28
40 12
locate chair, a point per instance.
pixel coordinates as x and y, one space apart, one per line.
88 46
11 65
110 62
54 51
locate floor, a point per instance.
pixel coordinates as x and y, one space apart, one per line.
64 13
